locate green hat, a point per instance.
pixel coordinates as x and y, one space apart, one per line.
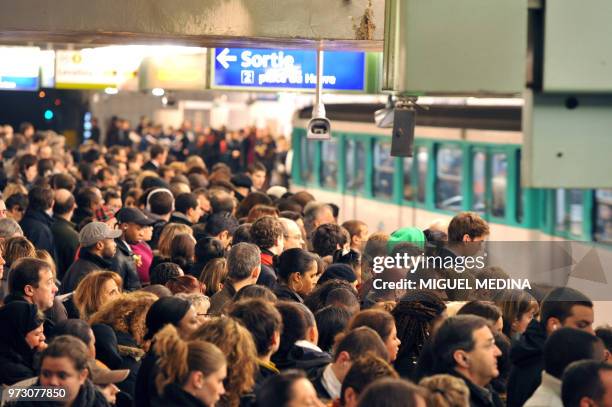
411 235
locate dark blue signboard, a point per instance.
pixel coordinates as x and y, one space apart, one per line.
287 69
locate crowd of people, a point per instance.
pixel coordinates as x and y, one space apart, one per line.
166 278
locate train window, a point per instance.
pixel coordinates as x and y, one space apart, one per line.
448 178
422 159
603 215
568 211
383 170
307 159
329 163
355 166
478 182
499 183
408 190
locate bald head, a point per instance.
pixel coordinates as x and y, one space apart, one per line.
64 203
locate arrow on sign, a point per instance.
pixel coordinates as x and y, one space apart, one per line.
224 58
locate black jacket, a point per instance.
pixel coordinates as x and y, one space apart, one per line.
66 244
81 216
145 389
267 277
181 218
308 360
89 396
149 166
174 396
317 382
123 264
480 396
36 225
53 315
284 293
107 348
131 357
527 356
87 263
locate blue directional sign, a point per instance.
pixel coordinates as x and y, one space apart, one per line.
18 83
276 69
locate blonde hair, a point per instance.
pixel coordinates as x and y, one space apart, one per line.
194 161
178 358
44 255
170 231
236 342
127 314
12 189
16 248
213 274
446 391
87 297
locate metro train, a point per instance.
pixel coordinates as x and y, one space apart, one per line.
465 158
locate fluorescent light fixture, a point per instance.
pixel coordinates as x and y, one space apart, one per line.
111 91
157 92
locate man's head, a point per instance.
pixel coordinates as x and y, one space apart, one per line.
363 371
292 234
359 233
222 201
221 226
467 227
465 344
257 172
9 228
160 201
158 154
263 321
16 206
267 232
89 198
132 223
576 345
587 383
244 263
33 280
64 204
99 239
566 307
316 214
40 199
354 344
188 205
328 238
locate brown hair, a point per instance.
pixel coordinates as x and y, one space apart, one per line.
126 314
169 232
467 223
16 248
446 391
261 210
184 284
379 320
354 227
70 347
266 230
213 275
86 296
237 344
44 255
365 370
178 358
182 250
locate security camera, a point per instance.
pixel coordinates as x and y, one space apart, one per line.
319 127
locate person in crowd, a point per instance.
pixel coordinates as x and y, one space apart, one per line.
359 233
169 232
98 247
562 307
518 310
298 274
158 155
131 222
21 336
106 381
350 346
64 232
465 347
164 272
292 234
25 170
466 231
253 199
315 215
16 206
182 251
79 329
265 323
331 321
257 172
160 205
446 391
268 234
577 345
587 383
363 371
126 316
319 296
213 276
94 290
605 334
243 265
17 247
242 185
383 324
290 388
9 228
256 291
485 309
169 310
298 347
328 238
393 393
187 210
143 254
206 249
338 271
36 222
200 302
221 226
417 316
185 284
89 201
237 344
344 298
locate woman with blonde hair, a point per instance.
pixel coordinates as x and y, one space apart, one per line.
95 290
191 373
213 275
16 248
120 328
446 391
236 342
164 245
